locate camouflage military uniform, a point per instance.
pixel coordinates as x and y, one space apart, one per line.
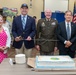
46 33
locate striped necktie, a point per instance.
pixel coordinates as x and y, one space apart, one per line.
23 22
68 32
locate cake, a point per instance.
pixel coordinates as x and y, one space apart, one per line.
20 58
48 62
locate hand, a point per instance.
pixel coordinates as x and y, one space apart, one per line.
1 49
55 49
28 38
37 47
68 44
20 37
4 47
17 39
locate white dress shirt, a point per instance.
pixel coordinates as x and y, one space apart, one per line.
6 24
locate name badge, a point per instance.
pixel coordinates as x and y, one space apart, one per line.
53 23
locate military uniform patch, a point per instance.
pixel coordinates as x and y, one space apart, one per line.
43 24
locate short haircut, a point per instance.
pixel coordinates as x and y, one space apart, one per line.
69 11
34 17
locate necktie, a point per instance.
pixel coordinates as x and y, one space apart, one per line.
23 22
68 32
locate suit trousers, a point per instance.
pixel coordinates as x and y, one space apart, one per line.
23 50
67 51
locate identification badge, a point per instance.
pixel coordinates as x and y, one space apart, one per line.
53 23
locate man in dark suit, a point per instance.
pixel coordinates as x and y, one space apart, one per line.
66 34
23 30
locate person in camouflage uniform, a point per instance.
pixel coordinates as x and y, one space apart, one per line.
45 37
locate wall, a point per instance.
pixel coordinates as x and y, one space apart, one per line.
56 5
12 3
36 8
37 5
71 4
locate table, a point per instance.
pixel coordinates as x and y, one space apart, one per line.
22 69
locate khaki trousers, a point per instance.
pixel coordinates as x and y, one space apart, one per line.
25 51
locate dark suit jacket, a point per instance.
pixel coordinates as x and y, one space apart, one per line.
62 36
30 30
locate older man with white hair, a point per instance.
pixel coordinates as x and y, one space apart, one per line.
46 36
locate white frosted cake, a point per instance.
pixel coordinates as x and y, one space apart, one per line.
54 62
20 58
